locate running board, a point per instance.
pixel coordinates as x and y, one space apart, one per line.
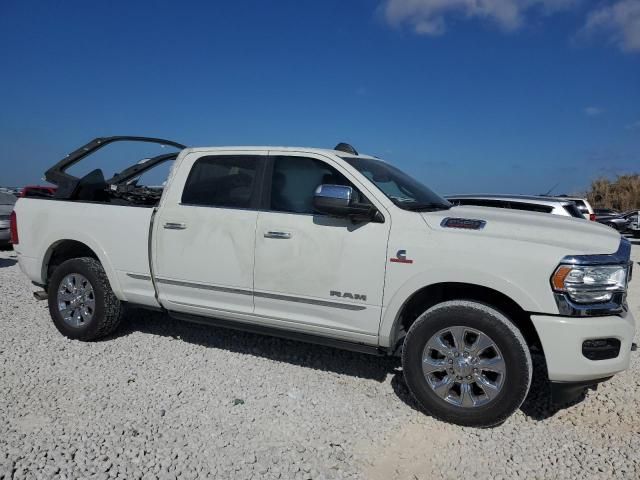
281 333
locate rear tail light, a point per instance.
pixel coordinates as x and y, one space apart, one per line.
13 228
592 217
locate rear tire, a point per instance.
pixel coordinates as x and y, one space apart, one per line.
81 301
467 364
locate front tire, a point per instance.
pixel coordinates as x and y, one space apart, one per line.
81 302
467 364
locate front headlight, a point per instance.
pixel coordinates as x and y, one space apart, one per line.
590 284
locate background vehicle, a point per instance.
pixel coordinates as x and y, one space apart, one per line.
529 203
583 205
7 201
605 211
634 222
617 222
37 191
342 249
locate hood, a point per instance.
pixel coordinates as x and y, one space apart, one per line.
580 237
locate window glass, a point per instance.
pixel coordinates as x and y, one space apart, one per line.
531 207
219 181
406 192
581 206
573 210
479 202
295 180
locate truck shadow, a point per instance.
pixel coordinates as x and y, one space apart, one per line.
317 357
7 262
537 405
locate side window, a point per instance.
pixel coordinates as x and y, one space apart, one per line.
479 202
295 180
221 181
531 207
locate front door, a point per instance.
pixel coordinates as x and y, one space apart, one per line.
205 233
320 274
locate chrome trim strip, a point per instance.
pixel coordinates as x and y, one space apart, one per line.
273 296
139 276
323 303
235 313
616 306
621 257
202 286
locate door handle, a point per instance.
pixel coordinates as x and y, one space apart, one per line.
175 226
280 235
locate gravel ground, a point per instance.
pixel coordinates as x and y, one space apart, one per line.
165 399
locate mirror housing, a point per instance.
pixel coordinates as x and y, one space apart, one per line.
338 201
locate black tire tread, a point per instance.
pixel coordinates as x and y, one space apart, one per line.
522 392
113 309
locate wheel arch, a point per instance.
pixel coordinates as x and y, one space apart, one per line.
66 249
426 297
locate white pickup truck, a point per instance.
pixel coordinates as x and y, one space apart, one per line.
341 249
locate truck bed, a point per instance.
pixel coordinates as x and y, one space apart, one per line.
123 232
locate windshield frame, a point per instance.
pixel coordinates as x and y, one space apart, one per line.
430 201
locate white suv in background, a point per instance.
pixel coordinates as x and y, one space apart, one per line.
555 206
583 205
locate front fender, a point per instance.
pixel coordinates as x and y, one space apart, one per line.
395 301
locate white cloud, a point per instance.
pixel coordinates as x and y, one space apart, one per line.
619 21
429 17
593 111
633 126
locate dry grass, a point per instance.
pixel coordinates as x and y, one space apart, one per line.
621 194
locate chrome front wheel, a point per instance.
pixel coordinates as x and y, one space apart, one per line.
463 366
465 362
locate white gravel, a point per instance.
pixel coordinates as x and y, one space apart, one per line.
165 399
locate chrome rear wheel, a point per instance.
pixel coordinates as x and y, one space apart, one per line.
76 300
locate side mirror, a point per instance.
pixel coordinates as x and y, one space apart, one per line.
338 201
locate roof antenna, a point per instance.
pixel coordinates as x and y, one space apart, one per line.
346 148
551 190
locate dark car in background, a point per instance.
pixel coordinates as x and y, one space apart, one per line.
615 221
634 222
605 211
7 201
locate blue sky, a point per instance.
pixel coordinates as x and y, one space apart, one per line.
492 95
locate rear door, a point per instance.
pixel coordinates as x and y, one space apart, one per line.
313 272
205 233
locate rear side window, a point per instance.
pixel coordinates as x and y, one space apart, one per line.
572 209
222 181
581 206
531 207
478 202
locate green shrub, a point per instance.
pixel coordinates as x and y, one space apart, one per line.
621 194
